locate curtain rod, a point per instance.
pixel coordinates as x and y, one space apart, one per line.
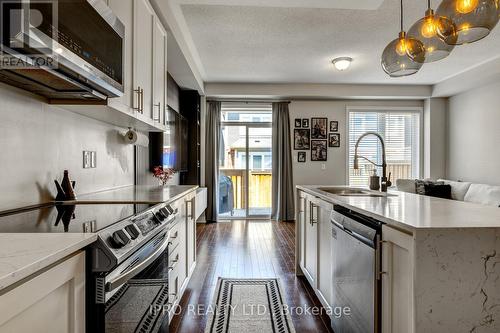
248 100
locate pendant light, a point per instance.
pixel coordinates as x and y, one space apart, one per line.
426 30
395 60
473 19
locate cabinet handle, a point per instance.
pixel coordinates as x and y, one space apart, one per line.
159 112
138 92
174 263
190 209
378 257
142 101
313 219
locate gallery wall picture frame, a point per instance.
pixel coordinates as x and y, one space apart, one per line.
305 123
301 157
298 123
301 139
334 140
319 129
319 150
334 126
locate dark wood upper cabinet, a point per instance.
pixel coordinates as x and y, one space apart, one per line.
173 93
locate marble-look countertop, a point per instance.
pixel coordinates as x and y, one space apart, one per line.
135 194
412 211
24 254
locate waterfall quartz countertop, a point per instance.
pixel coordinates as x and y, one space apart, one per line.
411 211
24 254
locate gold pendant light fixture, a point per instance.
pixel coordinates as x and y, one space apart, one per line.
395 60
428 30
473 19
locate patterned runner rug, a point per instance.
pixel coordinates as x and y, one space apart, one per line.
249 305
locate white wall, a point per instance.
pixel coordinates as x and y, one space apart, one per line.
38 141
311 173
474 135
435 137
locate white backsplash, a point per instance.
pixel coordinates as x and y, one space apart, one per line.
38 141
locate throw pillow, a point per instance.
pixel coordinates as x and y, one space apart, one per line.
438 191
420 185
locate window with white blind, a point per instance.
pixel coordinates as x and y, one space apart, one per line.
401 132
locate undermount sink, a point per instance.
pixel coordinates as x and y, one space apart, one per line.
353 192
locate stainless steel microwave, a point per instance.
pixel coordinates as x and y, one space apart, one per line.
63 50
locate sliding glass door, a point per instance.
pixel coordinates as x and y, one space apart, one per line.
245 168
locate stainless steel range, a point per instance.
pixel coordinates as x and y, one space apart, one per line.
132 249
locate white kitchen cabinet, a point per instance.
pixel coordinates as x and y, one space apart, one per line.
310 240
53 301
300 230
191 232
181 255
397 281
323 211
160 72
144 22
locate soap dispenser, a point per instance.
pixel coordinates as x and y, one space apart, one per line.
374 181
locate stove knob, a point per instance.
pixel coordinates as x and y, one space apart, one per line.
159 217
120 239
165 212
169 209
133 231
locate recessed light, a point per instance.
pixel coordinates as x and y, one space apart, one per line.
342 63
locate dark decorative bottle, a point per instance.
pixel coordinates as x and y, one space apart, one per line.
67 187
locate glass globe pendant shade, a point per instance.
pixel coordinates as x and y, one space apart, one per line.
473 20
426 31
395 59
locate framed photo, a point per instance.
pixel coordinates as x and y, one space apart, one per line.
334 140
319 150
305 123
334 126
302 157
298 123
301 139
319 128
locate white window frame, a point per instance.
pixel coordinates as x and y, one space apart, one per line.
401 109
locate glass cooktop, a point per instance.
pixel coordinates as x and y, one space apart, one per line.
68 218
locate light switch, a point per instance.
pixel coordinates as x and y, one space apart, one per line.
323 166
89 159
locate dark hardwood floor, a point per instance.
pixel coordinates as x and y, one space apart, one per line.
246 249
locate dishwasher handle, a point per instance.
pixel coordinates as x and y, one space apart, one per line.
367 241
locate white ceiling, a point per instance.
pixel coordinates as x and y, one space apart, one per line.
265 41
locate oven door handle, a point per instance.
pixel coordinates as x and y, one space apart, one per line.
130 273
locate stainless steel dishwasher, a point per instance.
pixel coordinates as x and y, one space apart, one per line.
355 272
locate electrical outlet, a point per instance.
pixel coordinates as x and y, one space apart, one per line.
89 159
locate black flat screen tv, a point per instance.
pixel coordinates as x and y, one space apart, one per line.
175 142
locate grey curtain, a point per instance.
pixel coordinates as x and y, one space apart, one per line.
283 192
212 159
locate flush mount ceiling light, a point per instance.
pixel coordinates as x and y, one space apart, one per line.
473 19
395 60
342 63
427 30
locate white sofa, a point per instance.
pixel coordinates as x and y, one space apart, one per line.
461 191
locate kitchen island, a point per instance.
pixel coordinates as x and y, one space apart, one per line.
439 269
